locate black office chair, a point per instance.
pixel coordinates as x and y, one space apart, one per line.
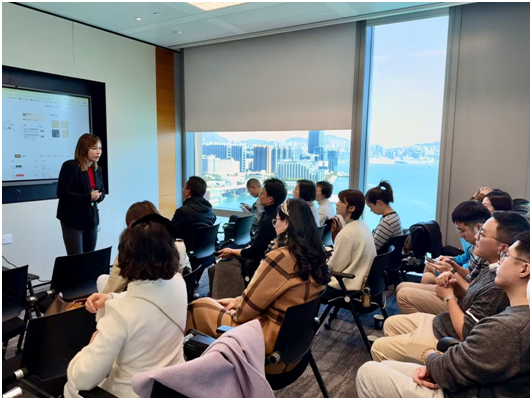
75 276
51 343
14 301
327 234
190 280
201 253
321 231
376 285
522 206
395 261
242 230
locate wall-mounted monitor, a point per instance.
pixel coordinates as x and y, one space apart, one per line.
43 116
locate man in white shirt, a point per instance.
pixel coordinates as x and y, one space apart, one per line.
323 192
354 247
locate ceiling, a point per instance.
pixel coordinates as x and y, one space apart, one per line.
178 24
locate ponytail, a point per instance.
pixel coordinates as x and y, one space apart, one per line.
382 192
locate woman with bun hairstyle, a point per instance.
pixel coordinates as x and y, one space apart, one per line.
378 200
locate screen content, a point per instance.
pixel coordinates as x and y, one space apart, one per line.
39 132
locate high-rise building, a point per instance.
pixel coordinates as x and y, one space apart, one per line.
299 170
315 139
262 158
236 152
319 150
332 158
281 154
213 164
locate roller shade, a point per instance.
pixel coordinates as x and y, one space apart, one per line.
293 81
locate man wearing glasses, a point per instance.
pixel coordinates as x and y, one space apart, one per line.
493 361
410 337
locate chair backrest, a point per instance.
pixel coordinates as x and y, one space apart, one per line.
375 280
327 233
160 391
190 281
426 238
394 262
204 243
243 230
321 231
522 206
75 276
14 284
297 331
52 341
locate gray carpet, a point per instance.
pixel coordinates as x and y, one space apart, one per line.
338 353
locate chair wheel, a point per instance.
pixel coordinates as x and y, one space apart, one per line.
327 326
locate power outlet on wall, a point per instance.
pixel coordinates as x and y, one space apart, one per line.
7 239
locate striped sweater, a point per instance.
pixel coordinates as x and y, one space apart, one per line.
389 227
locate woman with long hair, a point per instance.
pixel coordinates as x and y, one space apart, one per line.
80 189
498 200
294 272
378 200
142 329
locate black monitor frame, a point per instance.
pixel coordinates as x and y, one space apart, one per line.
17 78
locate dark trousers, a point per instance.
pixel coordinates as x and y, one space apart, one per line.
79 241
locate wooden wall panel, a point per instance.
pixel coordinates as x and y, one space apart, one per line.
166 131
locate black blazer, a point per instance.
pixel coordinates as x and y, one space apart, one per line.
75 208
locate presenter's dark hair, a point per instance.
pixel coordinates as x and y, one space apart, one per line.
85 142
197 186
147 251
139 210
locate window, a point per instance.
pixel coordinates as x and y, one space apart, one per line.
227 160
405 114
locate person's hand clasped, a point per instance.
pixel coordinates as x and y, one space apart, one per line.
443 266
443 291
95 195
229 304
96 301
423 378
226 253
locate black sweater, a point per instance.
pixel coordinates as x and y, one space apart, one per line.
493 361
195 213
75 208
265 234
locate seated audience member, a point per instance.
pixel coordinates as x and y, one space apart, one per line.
481 193
498 200
195 213
142 328
272 194
493 361
409 335
378 200
114 283
354 248
468 218
306 190
323 193
253 187
293 273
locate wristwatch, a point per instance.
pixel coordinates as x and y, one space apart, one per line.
452 296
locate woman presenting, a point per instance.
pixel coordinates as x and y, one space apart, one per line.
79 189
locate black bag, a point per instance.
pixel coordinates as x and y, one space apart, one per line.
425 237
226 279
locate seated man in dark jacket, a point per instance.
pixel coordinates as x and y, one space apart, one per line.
272 195
196 212
493 361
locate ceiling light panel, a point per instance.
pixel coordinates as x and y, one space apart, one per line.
209 6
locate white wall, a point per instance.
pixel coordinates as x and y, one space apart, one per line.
37 41
491 126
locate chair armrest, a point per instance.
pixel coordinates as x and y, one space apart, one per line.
341 275
447 342
224 328
96 393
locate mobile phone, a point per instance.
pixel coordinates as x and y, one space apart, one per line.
430 260
242 204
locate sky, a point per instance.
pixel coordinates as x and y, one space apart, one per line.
407 85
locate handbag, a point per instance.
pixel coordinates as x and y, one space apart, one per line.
59 306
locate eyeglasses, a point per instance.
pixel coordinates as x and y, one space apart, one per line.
504 254
481 234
